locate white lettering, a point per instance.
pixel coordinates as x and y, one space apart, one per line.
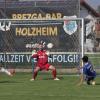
28 58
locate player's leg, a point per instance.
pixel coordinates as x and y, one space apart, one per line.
36 70
89 80
92 80
5 71
54 73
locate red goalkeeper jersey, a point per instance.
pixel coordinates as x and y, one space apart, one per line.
42 57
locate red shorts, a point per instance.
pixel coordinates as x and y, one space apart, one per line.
44 67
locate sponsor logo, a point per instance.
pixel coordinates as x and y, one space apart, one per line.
5 26
69 26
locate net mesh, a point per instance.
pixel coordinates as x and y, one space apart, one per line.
20 33
18 38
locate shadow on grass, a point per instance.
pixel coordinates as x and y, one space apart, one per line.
61 78
8 81
97 84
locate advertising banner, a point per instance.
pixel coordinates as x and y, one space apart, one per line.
59 60
20 36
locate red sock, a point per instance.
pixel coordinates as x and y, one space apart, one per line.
35 74
54 73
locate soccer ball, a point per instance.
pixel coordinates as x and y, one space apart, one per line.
12 71
93 83
49 45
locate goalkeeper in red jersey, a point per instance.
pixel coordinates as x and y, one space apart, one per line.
42 62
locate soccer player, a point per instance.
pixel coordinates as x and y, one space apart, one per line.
2 69
42 62
87 72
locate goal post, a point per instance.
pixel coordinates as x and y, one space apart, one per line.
20 36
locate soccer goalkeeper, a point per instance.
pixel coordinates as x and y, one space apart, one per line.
42 62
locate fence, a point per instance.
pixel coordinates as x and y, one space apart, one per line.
15 36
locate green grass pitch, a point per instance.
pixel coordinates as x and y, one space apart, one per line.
19 87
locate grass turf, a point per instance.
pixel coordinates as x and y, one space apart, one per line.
19 87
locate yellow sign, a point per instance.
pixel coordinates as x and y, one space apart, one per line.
36 31
37 16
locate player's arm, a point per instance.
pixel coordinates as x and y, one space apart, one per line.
34 54
48 53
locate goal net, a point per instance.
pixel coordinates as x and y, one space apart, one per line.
19 37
